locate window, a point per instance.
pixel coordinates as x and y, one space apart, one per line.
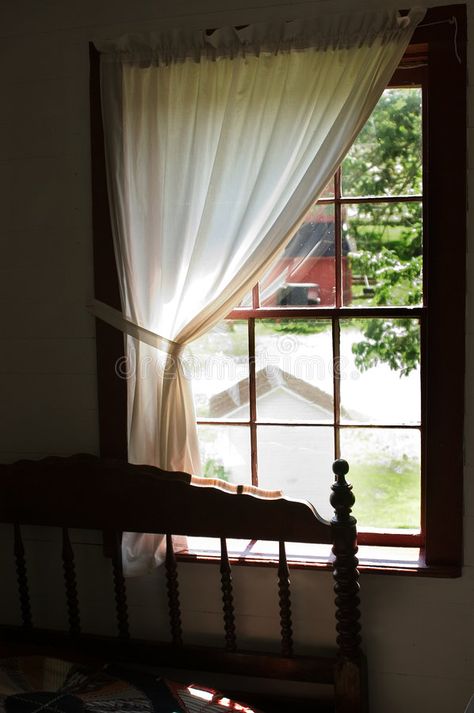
323 359
335 296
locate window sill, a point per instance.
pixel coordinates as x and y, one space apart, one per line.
406 561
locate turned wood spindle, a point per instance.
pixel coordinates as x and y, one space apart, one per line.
70 583
345 572
120 589
284 595
22 578
172 585
227 599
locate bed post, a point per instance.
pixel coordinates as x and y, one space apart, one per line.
350 674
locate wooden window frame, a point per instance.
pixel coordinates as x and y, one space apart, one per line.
335 314
439 43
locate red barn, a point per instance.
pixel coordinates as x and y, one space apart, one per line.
305 274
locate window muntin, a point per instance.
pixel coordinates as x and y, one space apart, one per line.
318 380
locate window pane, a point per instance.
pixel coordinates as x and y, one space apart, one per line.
328 191
385 472
385 253
225 453
380 372
386 158
217 363
294 370
297 460
246 300
304 274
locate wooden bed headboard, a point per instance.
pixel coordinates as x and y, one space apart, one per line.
92 493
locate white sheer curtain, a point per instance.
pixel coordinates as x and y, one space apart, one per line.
216 146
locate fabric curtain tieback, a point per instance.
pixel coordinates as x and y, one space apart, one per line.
116 319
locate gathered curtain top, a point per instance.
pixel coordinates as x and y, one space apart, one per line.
329 32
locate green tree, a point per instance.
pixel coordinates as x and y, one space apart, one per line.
386 156
386 238
214 468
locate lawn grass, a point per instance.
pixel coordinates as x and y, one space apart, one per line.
387 495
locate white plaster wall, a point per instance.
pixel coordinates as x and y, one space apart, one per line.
419 633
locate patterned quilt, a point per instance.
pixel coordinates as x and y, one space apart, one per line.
38 684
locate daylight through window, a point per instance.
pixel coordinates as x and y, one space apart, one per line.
323 358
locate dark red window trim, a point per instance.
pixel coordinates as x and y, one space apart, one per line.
445 215
440 41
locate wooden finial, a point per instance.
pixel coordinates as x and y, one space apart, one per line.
340 468
342 498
